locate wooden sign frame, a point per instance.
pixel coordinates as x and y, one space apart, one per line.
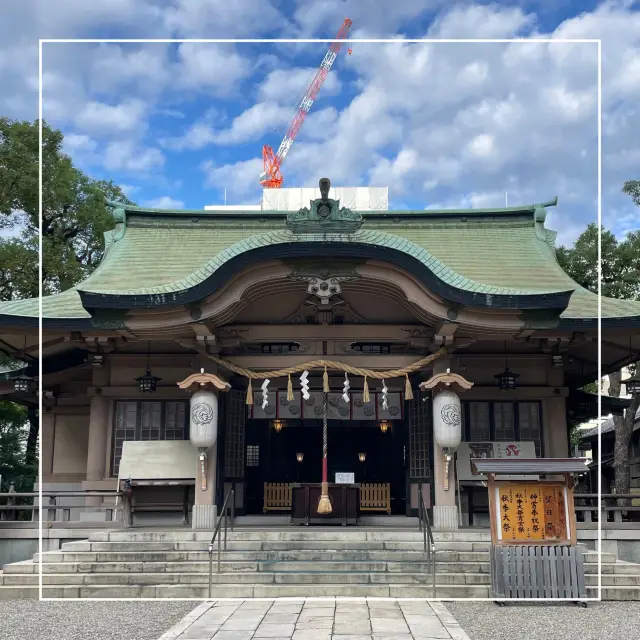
565 486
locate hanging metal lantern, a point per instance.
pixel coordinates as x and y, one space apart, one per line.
277 425
507 379
384 426
362 456
447 420
633 385
147 382
300 457
203 431
22 384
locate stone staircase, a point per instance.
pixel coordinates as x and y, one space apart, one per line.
275 562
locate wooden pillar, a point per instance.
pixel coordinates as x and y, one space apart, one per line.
98 433
47 434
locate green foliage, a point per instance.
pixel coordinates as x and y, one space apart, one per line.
632 189
620 263
74 219
74 216
590 387
575 435
14 430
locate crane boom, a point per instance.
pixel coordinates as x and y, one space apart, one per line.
271 176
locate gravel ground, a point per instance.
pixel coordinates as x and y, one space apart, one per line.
34 620
488 621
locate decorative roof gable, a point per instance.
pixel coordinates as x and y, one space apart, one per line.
325 216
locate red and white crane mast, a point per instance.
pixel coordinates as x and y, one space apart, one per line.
271 176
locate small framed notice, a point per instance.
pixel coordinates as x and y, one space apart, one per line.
345 478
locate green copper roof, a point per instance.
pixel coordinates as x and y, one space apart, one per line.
501 252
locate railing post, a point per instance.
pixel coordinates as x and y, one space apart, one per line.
12 515
210 568
226 511
126 517
233 507
433 568
219 551
51 512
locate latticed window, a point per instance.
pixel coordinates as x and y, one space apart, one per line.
419 416
234 449
479 423
253 455
503 421
150 420
146 421
529 426
175 420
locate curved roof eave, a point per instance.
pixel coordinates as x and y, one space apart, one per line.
430 271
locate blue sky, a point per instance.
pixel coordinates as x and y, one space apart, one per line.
442 125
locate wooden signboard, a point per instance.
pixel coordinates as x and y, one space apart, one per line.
531 512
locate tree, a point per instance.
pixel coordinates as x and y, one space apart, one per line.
74 216
74 219
620 278
632 189
620 262
14 468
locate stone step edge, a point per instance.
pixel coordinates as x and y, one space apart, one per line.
612 593
5 571
268 573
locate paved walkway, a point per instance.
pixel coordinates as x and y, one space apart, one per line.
318 619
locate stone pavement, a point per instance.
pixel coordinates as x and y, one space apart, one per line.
318 619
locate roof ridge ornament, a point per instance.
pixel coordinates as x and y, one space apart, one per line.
539 216
119 213
324 216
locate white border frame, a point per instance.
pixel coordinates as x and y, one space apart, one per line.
350 41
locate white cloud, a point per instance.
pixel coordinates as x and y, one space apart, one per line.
286 86
129 189
478 21
125 155
218 68
143 70
482 145
250 125
219 18
74 143
164 202
420 122
240 179
324 17
254 122
197 136
99 118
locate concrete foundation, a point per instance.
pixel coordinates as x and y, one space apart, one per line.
204 516
445 517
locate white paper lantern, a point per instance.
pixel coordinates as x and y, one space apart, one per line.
447 419
204 418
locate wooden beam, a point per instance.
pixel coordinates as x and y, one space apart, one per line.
444 333
203 329
296 332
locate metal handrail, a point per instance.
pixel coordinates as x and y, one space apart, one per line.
225 508
425 526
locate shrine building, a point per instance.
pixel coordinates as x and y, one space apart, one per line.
391 298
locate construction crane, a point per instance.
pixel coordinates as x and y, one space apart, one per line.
271 177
